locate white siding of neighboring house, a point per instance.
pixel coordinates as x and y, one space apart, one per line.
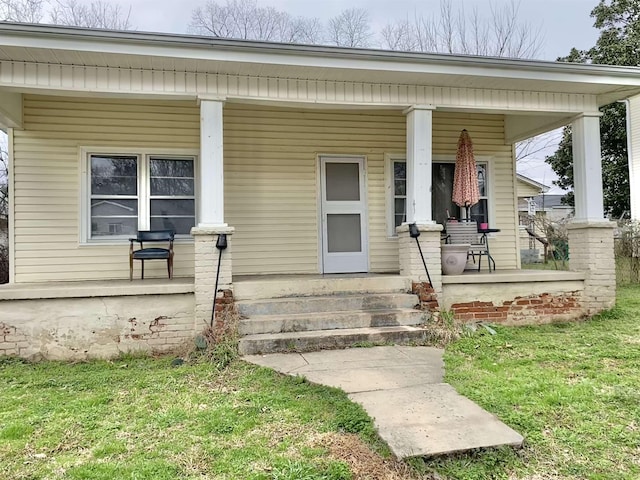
270 180
634 143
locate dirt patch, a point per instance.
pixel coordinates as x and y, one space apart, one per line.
364 463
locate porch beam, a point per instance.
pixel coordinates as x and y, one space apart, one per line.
10 110
419 163
587 168
211 165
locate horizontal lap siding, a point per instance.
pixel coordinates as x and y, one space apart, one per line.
271 187
47 180
487 134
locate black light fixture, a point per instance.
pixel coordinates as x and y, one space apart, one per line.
221 244
414 232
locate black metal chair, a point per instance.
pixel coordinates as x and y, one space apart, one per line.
153 253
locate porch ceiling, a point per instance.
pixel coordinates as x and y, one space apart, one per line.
182 53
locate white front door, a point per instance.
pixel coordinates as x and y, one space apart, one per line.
344 215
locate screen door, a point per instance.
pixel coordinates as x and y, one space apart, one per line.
344 213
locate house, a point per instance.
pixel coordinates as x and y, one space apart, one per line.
312 160
537 209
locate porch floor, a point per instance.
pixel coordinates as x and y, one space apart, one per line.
512 276
164 286
96 288
428 416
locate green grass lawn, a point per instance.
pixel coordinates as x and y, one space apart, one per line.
572 390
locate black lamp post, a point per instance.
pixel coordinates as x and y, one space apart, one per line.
221 244
414 232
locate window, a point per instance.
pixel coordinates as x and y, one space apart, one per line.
399 192
128 193
442 190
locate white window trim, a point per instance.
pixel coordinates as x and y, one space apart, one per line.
389 186
143 184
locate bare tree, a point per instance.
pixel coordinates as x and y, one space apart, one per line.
27 11
351 28
535 148
95 14
92 14
500 34
244 19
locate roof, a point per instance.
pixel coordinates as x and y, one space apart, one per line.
530 181
544 202
109 48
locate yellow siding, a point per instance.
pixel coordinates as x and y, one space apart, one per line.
526 190
270 179
47 180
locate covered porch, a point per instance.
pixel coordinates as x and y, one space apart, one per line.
315 166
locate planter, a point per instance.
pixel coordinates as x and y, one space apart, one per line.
454 258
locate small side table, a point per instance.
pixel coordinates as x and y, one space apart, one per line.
485 239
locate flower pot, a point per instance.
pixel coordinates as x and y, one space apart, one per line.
454 258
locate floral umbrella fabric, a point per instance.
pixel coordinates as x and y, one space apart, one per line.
465 180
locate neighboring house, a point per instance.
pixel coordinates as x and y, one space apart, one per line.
311 159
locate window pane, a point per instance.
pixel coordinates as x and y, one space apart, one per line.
110 226
113 207
167 167
443 192
400 170
400 187
343 232
479 212
172 186
171 177
173 207
482 180
114 175
400 212
180 225
342 181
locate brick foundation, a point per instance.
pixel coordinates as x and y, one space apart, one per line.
427 297
534 309
95 327
591 251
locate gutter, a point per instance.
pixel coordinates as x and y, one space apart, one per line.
252 46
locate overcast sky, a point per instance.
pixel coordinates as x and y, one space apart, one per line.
563 24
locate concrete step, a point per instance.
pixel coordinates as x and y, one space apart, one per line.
308 286
302 322
332 303
327 339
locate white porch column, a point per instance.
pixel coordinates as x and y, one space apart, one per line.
590 234
211 165
633 148
419 163
211 224
587 168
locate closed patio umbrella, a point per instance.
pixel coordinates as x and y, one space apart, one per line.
465 177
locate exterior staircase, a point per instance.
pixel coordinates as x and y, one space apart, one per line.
306 314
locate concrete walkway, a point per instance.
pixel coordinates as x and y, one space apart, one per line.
401 389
